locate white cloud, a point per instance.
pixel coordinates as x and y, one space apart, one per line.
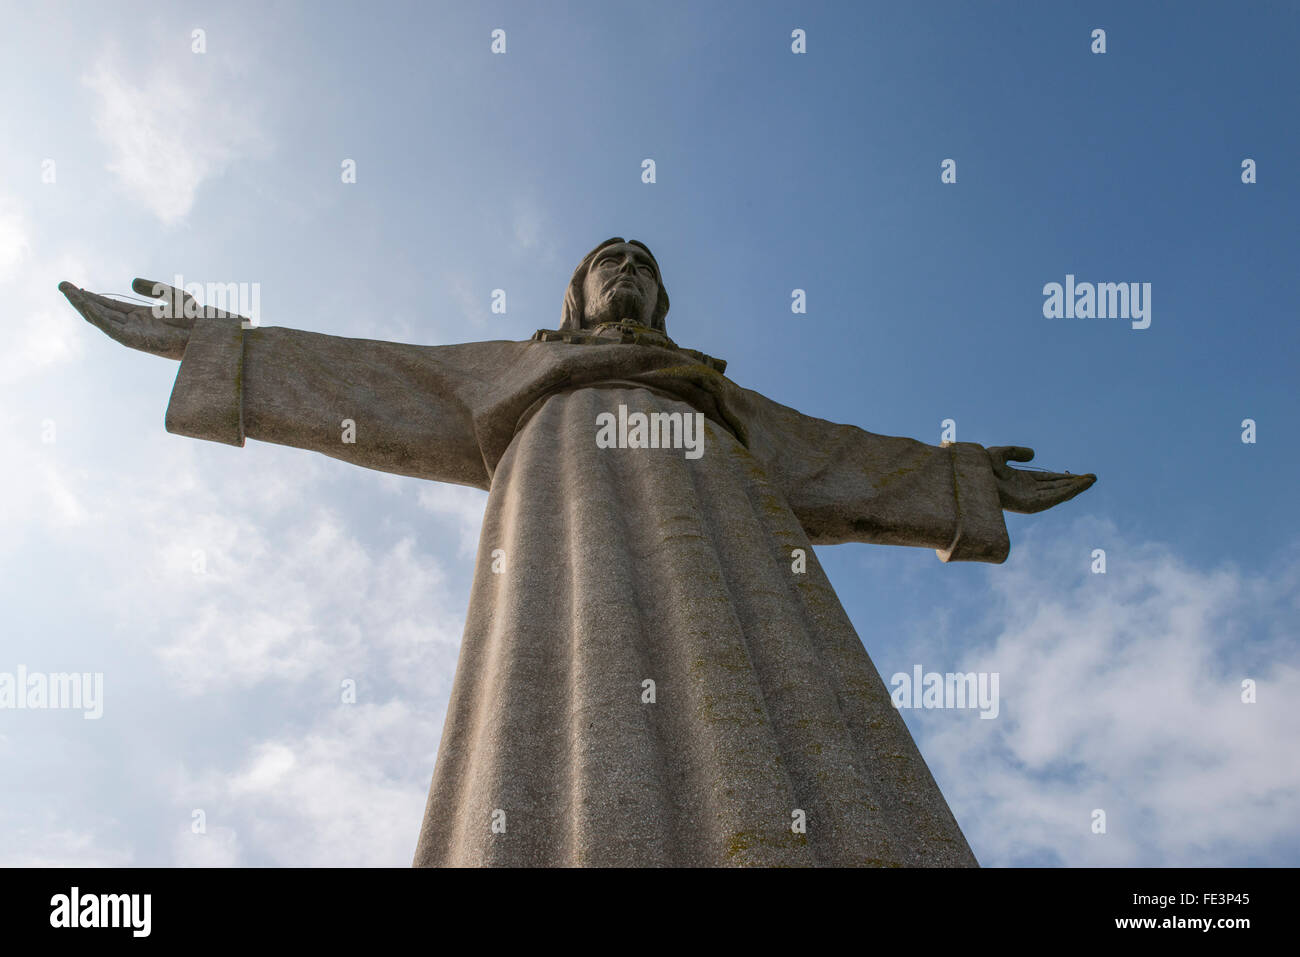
52 845
14 246
284 591
291 602
169 133
213 847
41 330
1122 692
349 792
272 762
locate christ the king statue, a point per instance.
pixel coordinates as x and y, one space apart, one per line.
650 674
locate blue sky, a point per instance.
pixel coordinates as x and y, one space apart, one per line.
774 171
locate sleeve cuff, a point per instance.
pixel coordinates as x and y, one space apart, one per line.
981 532
208 398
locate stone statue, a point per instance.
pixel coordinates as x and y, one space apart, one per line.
650 672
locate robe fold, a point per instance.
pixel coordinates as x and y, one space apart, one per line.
645 678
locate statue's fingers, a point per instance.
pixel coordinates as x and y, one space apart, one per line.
1050 493
151 288
1014 453
112 323
71 293
160 290
1062 479
173 306
97 310
1062 490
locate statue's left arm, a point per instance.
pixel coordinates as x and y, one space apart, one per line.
845 484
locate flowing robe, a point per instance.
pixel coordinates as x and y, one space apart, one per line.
617 567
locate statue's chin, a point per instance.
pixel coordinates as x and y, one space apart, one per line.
616 309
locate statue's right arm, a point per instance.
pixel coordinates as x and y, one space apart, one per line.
389 406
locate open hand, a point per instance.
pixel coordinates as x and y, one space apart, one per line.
1023 491
161 327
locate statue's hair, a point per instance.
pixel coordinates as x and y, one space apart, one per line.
575 304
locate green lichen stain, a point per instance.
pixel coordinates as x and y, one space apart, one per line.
748 462
741 841
735 716
681 537
880 480
691 373
828 723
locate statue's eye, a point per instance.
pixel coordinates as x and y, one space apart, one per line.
647 269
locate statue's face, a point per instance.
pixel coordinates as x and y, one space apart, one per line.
622 283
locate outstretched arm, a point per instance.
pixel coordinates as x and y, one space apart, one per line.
849 485
389 406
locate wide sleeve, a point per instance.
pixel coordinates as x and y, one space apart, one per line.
845 484
382 405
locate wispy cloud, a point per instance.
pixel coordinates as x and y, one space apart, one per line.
276 600
350 792
38 332
48 842
1122 692
169 132
14 244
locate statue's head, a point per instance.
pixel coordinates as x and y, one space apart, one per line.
616 280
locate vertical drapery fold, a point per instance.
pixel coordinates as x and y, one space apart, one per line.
628 565
765 702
